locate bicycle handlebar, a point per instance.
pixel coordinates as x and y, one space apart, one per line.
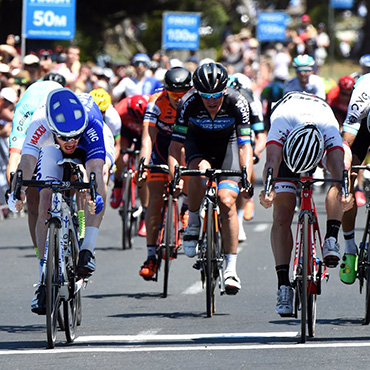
306 181
55 185
213 173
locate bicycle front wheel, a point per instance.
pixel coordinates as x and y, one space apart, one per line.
210 261
126 214
367 279
303 292
70 306
52 285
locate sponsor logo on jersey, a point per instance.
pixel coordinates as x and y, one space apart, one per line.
37 134
360 101
92 134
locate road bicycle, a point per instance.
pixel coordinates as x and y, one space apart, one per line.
210 248
308 269
59 275
363 263
169 236
129 210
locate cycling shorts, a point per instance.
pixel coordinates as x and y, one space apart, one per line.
360 146
130 136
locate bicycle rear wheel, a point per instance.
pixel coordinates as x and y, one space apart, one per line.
52 285
304 253
126 214
70 306
210 260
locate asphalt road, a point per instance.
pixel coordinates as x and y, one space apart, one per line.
127 325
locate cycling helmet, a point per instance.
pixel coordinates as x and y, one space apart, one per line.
65 113
303 62
56 77
365 61
346 83
210 78
101 98
243 80
136 106
177 79
141 58
303 148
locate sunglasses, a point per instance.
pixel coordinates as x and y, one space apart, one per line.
216 95
176 95
67 139
301 70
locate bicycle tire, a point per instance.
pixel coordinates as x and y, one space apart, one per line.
70 305
79 308
126 214
304 253
311 314
367 279
167 244
210 259
52 285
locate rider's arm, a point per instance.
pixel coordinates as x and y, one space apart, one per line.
274 156
246 158
174 156
27 164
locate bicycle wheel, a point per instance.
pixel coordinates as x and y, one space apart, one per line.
52 285
126 214
311 314
304 252
210 259
367 279
70 306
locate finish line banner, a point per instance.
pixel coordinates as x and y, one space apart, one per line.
49 19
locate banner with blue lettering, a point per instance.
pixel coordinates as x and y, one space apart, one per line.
271 26
49 19
180 31
341 4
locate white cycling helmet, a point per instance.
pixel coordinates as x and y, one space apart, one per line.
365 61
303 148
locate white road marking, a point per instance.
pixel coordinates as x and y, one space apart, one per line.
194 289
261 227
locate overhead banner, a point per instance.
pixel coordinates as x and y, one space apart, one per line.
271 26
49 19
180 31
341 4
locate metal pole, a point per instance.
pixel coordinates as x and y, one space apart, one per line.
332 37
23 34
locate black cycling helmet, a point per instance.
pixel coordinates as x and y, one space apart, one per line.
178 79
210 78
56 77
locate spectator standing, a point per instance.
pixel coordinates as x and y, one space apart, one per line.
31 64
322 44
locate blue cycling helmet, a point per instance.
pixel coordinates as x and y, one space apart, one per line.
65 113
303 62
365 61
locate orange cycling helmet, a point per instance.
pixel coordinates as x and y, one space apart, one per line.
101 98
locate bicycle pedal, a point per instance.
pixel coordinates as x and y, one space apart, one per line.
197 265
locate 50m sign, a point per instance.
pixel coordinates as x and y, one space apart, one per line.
50 19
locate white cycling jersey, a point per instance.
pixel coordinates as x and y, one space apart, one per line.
315 86
300 108
113 120
359 105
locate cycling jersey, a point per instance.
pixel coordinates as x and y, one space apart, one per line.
24 110
129 122
233 116
113 120
336 103
131 86
359 105
315 86
301 108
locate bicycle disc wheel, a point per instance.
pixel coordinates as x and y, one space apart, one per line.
210 259
70 305
304 253
52 285
126 214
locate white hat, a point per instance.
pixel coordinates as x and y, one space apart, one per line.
31 59
7 93
4 68
176 63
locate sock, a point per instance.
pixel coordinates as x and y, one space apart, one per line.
349 242
240 216
118 182
142 216
151 249
230 262
332 229
194 218
91 235
282 272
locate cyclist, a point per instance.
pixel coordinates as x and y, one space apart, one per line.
305 79
56 77
131 111
364 63
338 98
356 133
66 126
159 120
302 127
213 125
242 83
110 116
24 110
